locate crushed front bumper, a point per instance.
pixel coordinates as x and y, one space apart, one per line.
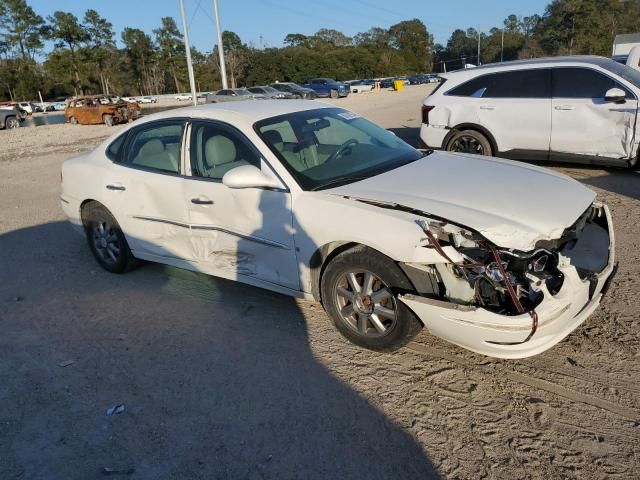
501 336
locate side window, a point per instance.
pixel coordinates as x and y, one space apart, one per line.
155 146
223 92
518 84
113 150
582 83
472 88
511 84
216 149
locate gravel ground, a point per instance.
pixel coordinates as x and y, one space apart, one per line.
222 380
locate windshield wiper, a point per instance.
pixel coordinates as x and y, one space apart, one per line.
337 181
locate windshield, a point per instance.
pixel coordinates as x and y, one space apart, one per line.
270 90
326 147
242 91
631 75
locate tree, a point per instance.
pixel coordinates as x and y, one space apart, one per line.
171 51
141 53
414 43
295 40
65 30
23 27
235 56
375 37
100 46
328 37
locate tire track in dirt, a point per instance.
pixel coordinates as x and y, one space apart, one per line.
538 383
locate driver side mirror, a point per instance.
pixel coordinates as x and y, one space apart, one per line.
248 176
615 95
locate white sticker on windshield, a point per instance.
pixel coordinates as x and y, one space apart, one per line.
348 115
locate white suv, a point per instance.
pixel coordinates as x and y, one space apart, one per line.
579 109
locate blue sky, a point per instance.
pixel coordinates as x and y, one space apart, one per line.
266 22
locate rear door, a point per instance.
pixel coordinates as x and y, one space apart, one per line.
515 107
584 125
145 190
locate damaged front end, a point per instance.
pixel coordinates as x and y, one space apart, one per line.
504 302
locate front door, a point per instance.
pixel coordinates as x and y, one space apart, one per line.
241 234
584 124
145 191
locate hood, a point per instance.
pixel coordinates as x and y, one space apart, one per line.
512 204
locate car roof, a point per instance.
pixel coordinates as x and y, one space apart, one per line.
533 62
253 110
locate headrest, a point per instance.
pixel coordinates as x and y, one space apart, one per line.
273 137
152 147
219 150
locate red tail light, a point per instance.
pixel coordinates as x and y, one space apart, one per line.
425 113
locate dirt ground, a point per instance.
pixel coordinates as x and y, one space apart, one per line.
222 380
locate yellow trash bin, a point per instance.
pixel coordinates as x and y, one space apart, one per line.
398 85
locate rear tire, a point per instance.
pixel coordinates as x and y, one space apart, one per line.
11 123
359 289
106 239
470 141
73 121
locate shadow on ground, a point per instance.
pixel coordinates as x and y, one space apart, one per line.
218 378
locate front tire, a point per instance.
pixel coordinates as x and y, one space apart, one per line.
333 94
470 141
359 289
11 123
106 240
108 120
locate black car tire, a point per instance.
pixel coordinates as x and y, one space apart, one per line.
333 94
108 120
100 225
470 141
401 330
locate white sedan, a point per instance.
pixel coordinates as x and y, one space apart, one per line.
317 202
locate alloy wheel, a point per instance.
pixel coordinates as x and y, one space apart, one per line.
366 304
106 242
467 144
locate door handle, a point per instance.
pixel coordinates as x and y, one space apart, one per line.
116 186
564 107
487 107
201 200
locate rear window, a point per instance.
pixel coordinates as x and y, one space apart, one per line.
512 84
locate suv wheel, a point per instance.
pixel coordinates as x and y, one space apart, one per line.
470 141
333 94
359 288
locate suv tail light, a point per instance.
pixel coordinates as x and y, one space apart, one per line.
425 113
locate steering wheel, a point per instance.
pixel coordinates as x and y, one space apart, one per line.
340 151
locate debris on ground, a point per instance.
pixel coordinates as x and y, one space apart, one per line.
116 409
66 363
113 471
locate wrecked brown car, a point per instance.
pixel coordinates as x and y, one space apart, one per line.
97 109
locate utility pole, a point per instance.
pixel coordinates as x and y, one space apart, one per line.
502 51
223 68
192 81
479 37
